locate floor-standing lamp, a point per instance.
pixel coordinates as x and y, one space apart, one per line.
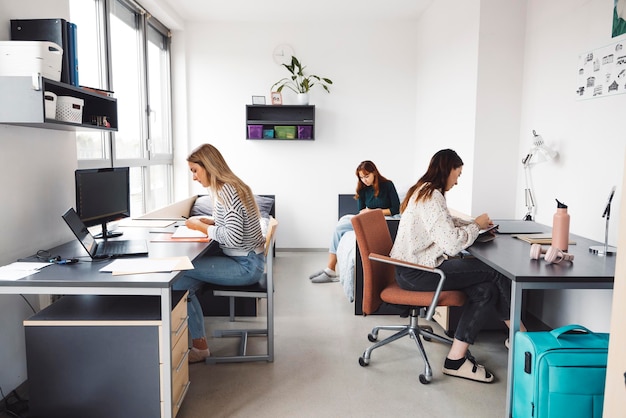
538 153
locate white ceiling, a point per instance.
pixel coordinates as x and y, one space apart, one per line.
293 10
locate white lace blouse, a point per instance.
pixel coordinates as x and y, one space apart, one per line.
428 232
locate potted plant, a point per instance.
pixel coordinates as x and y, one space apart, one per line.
299 82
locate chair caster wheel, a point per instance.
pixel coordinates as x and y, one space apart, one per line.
364 362
372 338
424 380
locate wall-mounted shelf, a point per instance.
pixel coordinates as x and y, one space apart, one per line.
23 104
264 121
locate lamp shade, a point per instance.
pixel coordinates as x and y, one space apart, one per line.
539 152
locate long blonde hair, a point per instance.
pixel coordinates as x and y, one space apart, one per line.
219 174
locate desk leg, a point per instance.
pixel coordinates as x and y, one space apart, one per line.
515 321
166 355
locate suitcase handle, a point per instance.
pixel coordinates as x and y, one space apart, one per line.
556 333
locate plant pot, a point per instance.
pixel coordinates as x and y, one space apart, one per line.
302 98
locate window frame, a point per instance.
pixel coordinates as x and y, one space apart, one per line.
146 25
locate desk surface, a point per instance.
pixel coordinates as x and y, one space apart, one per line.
511 257
86 273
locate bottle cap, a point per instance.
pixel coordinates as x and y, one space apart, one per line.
560 205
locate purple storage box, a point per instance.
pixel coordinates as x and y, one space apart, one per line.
255 131
305 131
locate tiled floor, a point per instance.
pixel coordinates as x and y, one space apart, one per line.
316 371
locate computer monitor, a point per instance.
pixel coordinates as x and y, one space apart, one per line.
103 195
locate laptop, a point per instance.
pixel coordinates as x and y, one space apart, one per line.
512 226
105 249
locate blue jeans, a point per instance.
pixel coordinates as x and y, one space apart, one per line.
487 291
217 269
344 224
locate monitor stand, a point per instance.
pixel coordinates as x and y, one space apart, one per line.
106 234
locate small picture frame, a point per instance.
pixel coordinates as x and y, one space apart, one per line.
258 100
277 98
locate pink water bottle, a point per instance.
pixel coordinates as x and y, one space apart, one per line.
560 227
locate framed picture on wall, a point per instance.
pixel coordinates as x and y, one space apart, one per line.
277 98
258 100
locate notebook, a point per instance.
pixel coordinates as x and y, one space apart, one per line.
105 249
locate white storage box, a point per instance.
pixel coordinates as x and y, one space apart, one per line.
50 105
70 109
24 58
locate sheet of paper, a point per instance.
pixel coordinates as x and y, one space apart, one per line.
147 265
146 223
26 265
167 237
184 232
184 263
20 269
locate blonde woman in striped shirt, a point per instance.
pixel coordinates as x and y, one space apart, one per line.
235 225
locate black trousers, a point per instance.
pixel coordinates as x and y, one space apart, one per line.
487 291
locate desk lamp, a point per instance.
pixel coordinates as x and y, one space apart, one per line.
538 153
605 249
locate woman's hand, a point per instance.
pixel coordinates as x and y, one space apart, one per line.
365 210
483 221
199 224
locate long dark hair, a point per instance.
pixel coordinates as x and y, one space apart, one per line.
368 167
435 178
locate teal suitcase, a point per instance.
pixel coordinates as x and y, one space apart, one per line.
559 373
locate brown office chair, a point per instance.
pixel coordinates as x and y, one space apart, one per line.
379 285
264 289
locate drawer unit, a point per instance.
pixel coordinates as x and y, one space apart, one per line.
180 352
83 351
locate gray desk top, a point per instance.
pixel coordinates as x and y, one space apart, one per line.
511 257
86 272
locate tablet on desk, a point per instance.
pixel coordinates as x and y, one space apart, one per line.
491 228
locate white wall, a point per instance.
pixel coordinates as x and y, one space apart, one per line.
589 136
468 97
402 91
447 46
369 113
37 167
498 105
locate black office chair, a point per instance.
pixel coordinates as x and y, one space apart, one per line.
379 285
264 289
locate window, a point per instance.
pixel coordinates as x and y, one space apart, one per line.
123 49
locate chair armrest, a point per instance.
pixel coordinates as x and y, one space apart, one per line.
442 277
401 263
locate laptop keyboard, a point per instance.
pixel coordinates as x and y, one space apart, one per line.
112 248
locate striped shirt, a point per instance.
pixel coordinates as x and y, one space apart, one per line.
237 231
427 232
